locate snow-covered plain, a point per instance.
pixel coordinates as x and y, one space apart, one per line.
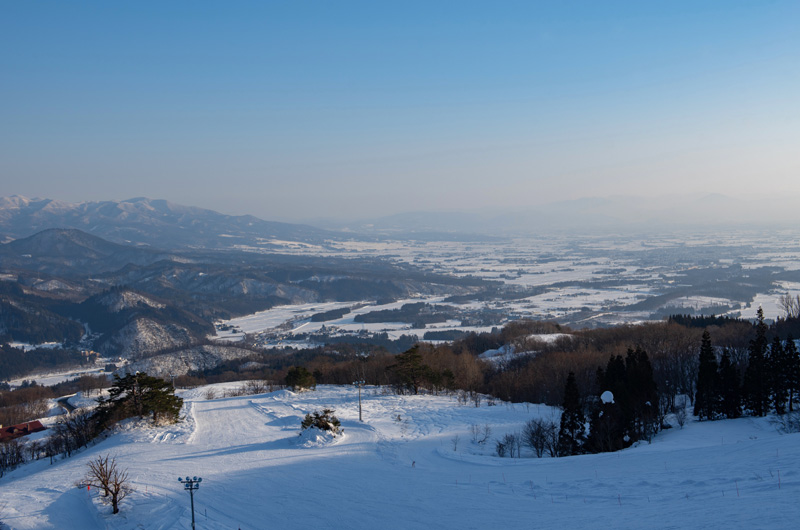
581 281
295 319
59 376
401 469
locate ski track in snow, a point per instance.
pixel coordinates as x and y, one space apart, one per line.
257 473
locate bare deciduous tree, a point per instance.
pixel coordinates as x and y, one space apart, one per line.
487 432
541 435
256 386
680 411
475 431
104 473
509 444
790 305
476 399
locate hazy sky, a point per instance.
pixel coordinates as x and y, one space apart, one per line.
292 110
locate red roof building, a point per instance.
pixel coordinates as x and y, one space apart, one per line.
21 429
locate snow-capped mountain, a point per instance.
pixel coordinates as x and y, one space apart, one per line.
152 223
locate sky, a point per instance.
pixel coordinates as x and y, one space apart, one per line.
294 110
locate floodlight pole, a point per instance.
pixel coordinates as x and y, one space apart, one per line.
190 485
359 384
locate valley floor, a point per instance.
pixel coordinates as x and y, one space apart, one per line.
400 469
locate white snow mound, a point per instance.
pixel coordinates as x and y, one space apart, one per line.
313 437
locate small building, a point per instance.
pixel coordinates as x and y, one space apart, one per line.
19 430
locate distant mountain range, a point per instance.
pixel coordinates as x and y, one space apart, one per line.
71 251
621 213
159 224
153 223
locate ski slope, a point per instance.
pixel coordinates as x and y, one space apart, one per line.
399 469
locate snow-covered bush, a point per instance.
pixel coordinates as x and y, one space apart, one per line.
324 421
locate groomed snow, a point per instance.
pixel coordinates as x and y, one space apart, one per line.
400 469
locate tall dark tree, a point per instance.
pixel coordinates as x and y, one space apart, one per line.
606 428
779 368
793 360
729 388
607 424
633 415
706 400
410 369
643 395
571 435
756 377
616 381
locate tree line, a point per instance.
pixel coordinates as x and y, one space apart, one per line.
769 383
135 395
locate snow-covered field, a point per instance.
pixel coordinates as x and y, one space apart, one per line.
402 469
59 376
581 281
293 319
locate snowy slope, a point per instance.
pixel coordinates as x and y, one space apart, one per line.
386 473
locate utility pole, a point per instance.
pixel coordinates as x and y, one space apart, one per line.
359 384
190 485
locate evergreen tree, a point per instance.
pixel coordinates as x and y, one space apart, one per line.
571 435
729 388
410 369
607 424
634 413
706 401
299 378
643 395
606 429
139 395
756 380
616 381
793 362
778 375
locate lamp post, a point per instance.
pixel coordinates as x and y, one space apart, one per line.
359 384
191 484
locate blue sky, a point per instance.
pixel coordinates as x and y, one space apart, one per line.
299 110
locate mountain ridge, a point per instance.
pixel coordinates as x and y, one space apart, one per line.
154 223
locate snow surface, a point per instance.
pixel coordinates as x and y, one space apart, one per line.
55 377
297 319
402 469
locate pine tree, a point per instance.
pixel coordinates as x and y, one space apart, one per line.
729 388
756 381
706 401
571 435
139 395
411 370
